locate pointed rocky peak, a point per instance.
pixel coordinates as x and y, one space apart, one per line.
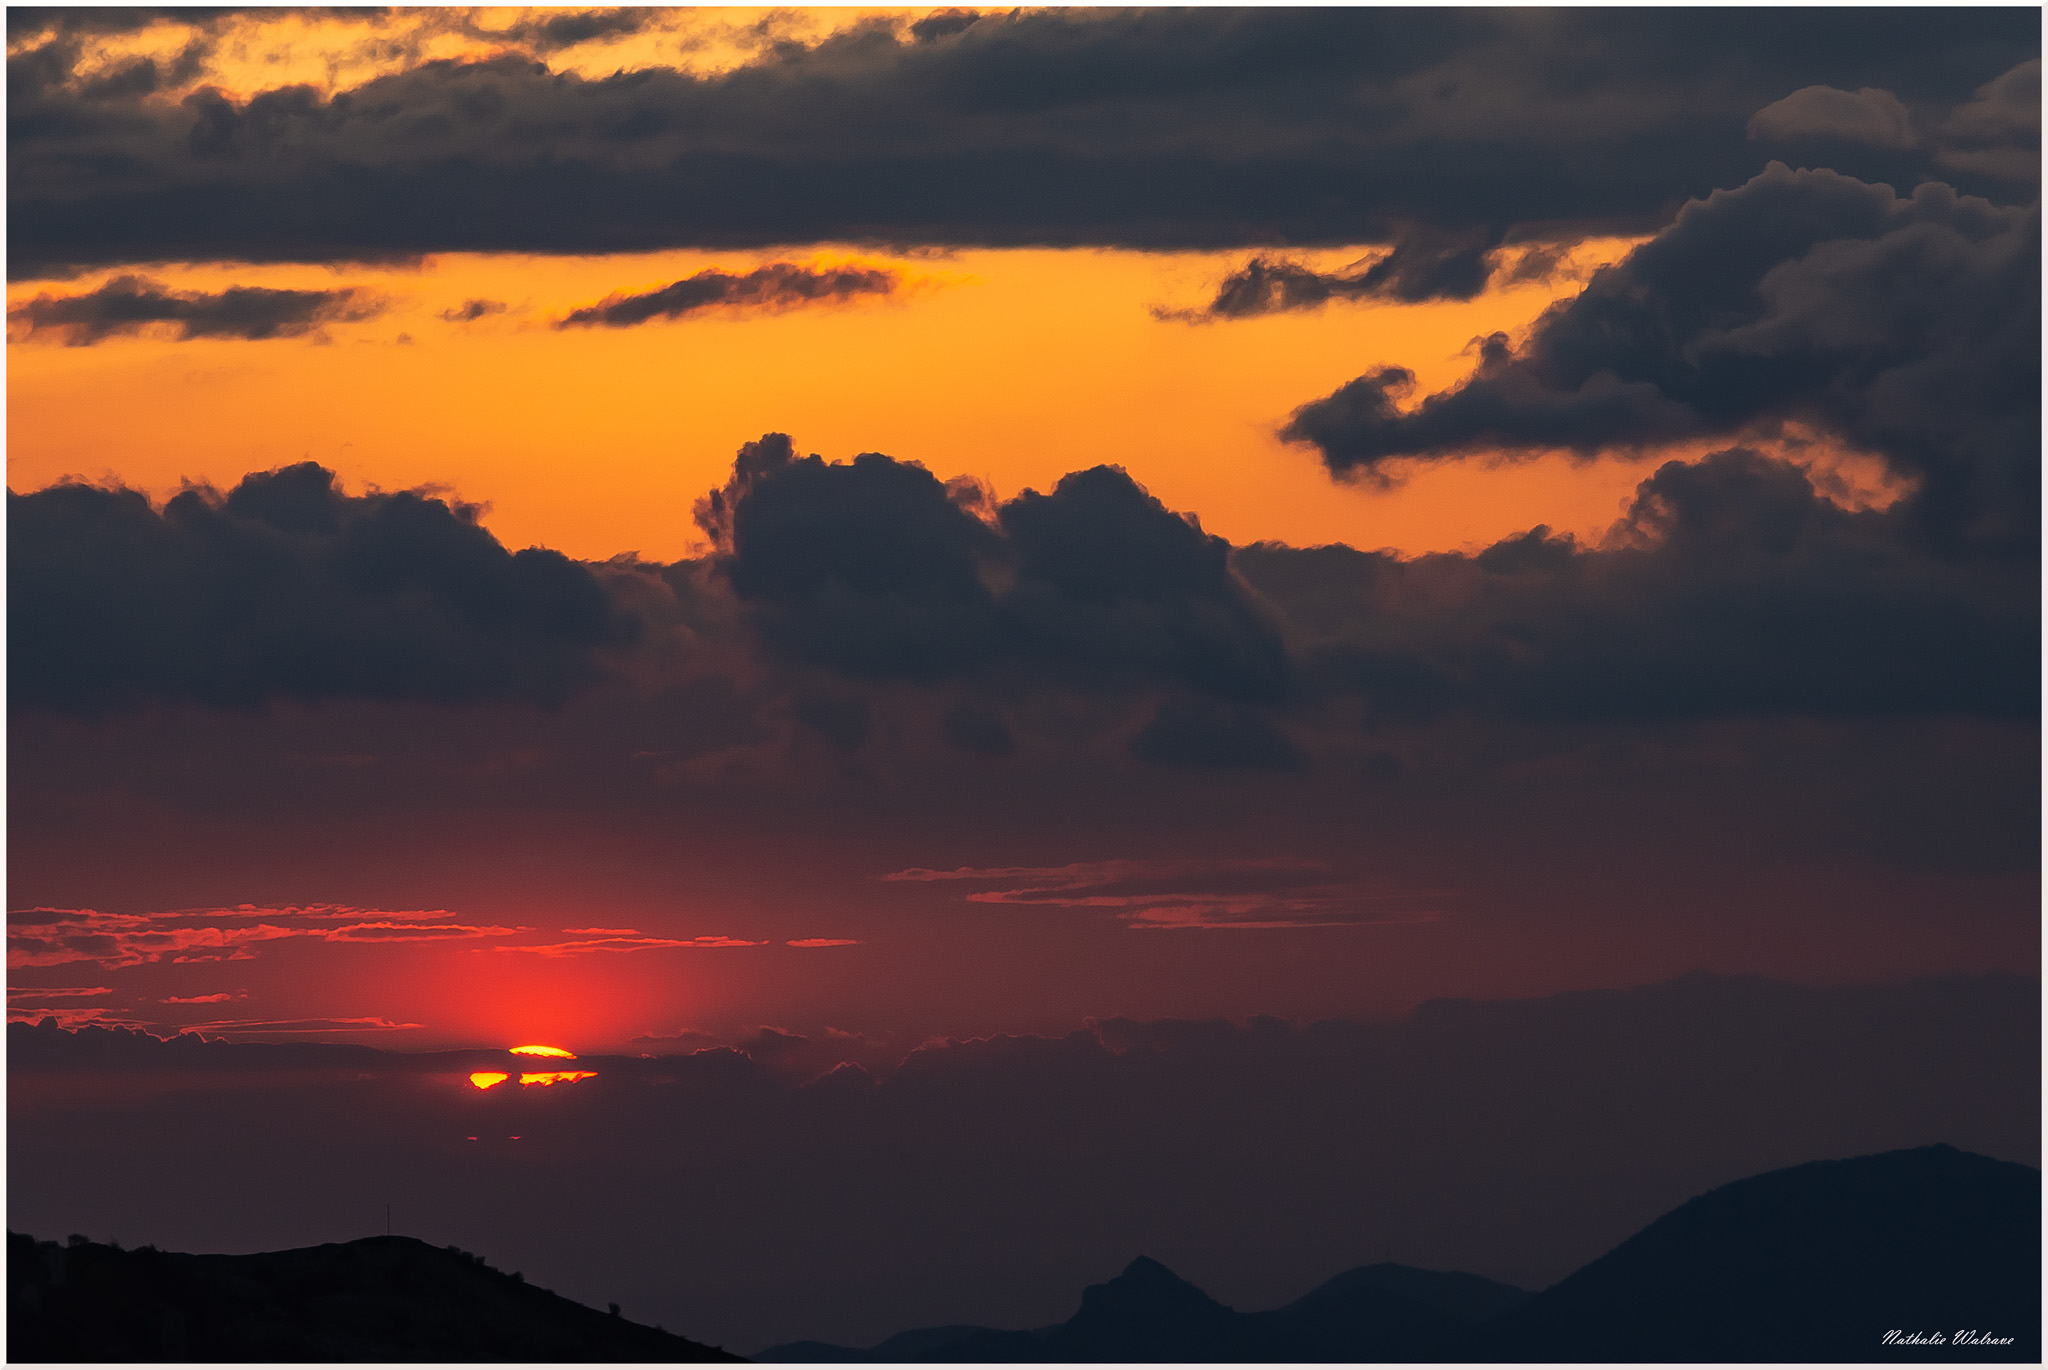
1146 1288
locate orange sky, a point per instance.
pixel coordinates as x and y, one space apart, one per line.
1012 366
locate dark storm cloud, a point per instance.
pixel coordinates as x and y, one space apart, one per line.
1906 326
775 287
1153 128
1730 587
872 567
129 304
285 587
877 569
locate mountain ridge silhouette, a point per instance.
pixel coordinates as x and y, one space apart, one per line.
1814 1262
384 1298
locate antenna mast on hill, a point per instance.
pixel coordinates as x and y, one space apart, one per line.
387 1220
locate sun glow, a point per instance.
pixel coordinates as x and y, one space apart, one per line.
544 1051
491 1079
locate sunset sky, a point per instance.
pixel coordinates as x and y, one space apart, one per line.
637 529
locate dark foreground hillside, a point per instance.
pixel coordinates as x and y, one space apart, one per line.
377 1299
1815 1263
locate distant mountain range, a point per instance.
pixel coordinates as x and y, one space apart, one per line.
1879 1258
377 1299
1821 1262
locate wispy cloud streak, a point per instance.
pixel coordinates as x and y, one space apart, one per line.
772 288
623 940
1272 893
55 937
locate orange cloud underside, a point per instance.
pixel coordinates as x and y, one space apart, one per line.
1012 366
333 51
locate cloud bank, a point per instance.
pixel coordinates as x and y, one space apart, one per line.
286 587
1142 128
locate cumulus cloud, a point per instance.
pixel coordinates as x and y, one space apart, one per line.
860 605
286 587
1151 128
1730 586
773 288
879 570
1905 326
1195 894
1875 117
131 304
1998 132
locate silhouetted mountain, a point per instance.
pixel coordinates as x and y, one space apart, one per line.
1450 1292
377 1299
1148 1313
1400 1312
1814 1263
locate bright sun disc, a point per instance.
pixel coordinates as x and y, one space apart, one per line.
544 1051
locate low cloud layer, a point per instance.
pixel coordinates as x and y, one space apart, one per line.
1730 587
767 289
857 597
131 304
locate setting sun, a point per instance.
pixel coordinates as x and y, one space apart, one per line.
1057 632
